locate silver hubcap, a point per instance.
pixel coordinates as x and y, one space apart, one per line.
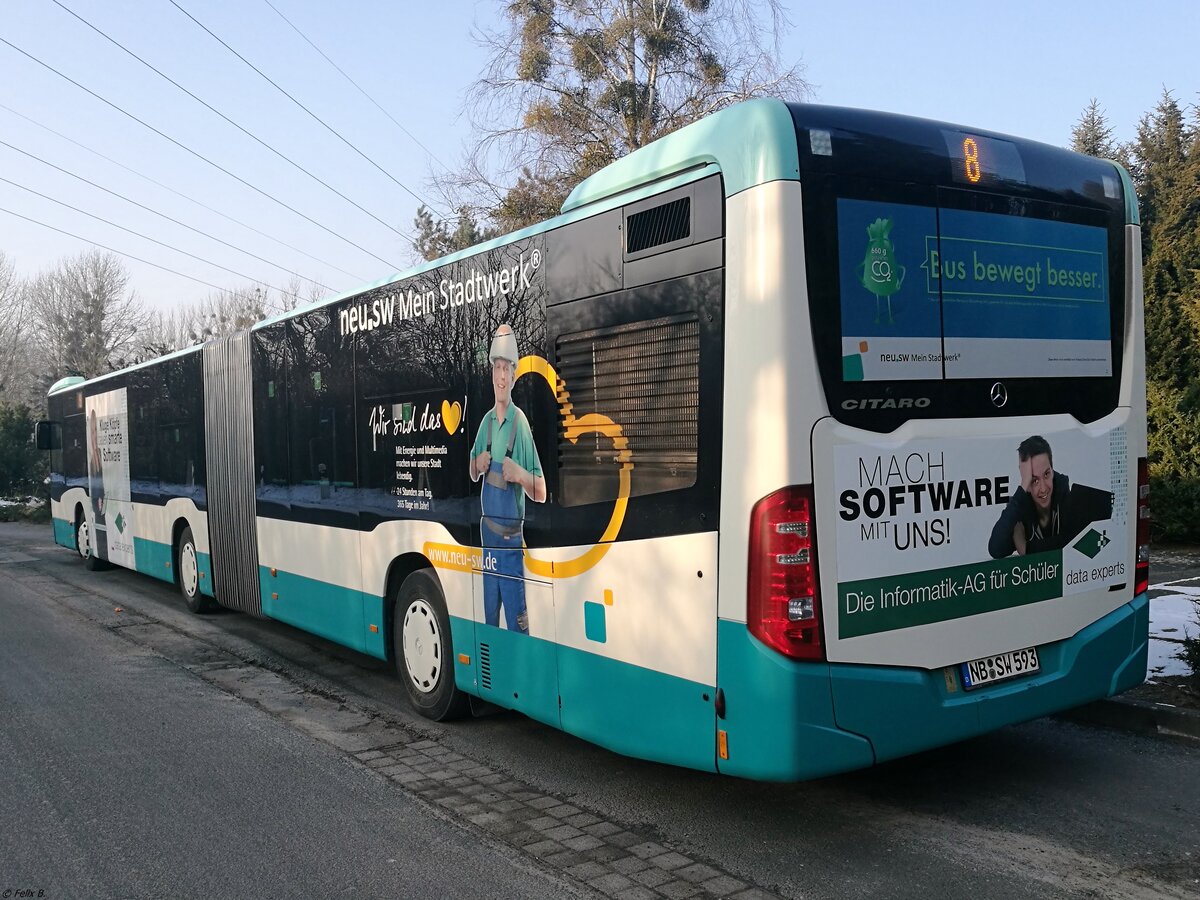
189 571
84 540
422 646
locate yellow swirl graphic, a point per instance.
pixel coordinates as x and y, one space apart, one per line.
574 428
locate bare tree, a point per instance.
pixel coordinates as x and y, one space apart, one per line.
14 337
86 318
230 311
220 314
572 85
166 332
295 294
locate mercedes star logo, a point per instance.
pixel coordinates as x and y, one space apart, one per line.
999 394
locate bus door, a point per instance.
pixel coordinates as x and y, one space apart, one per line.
517 659
517 650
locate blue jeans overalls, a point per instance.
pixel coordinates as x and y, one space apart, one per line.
502 543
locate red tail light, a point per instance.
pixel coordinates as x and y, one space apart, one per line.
1141 569
783 605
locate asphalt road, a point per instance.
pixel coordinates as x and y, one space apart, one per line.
125 775
153 753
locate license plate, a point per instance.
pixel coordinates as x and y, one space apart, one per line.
999 667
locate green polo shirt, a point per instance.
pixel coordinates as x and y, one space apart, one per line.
524 452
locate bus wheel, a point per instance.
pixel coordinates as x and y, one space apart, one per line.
424 655
83 546
187 572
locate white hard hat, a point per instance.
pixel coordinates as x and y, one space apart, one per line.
504 346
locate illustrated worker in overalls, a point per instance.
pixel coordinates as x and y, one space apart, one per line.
505 456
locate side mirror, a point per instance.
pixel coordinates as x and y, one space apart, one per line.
48 436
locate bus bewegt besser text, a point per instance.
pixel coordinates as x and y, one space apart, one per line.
804 438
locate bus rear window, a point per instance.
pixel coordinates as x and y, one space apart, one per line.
937 293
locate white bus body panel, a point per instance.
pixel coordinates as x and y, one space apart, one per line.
151 522
317 552
660 604
155 522
772 385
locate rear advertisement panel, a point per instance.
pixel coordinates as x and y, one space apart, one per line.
937 530
933 293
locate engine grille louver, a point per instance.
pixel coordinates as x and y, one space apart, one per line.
659 225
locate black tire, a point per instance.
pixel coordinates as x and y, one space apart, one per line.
85 548
424 649
187 574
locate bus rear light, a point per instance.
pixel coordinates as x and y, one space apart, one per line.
783 602
1141 568
801 609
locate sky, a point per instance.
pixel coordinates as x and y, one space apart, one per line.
1024 68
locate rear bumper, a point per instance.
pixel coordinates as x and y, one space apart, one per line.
789 721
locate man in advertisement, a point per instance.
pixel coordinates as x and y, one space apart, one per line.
1046 512
505 456
99 529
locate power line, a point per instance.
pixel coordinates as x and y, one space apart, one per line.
411 136
118 252
166 187
195 153
163 215
145 237
217 112
317 118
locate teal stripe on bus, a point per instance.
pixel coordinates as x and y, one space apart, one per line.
204 562
153 558
783 714
626 708
779 713
327 610
1132 215
462 635
64 533
516 671
905 710
156 559
1133 672
753 143
638 711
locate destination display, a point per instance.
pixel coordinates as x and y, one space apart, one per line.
929 293
983 160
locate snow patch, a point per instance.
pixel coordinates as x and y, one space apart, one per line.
1174 615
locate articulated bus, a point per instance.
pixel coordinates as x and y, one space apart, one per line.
802 439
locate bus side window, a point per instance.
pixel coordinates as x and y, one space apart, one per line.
176 466
74 452
180 426
320 389
271 455
144 391
644 377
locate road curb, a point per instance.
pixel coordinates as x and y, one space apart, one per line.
1140 716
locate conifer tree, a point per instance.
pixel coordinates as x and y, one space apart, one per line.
1164 161
1092 134
1166 169
436 237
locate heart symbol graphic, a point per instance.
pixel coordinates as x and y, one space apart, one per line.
451 415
